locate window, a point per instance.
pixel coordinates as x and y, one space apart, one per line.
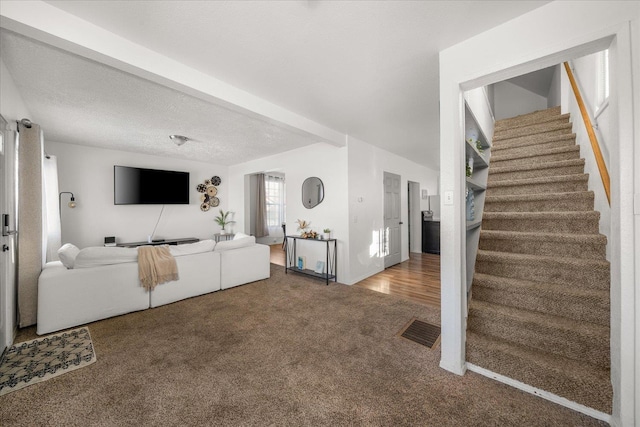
602 89
274 187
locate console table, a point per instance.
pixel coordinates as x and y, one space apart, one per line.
331 255
157 243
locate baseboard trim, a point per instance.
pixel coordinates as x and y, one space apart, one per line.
541 393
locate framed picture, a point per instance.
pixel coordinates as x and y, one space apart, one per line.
319 267
301 262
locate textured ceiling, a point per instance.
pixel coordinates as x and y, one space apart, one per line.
364 68
79 101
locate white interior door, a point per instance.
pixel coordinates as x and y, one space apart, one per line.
392 221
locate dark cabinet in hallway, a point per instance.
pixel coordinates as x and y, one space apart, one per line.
431 237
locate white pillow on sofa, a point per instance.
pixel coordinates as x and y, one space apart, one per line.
67 254
192 248
99 255
229 245
239 236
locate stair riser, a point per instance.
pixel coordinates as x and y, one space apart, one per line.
532 139
588 278
554 381
552 205
540 188
530 133
565 343
544 248
535 173
543 158
535 117
584 310
543 225
561 125
532 149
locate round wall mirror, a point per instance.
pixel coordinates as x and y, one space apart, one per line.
312 192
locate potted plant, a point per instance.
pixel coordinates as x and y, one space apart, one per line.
222 220
326 233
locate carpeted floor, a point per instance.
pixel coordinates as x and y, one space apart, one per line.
285 351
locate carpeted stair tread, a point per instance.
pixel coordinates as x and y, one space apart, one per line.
502 125
570 201
549 261
535 116
583 222
531 139
576 381
554 127
532 156
538 140
577 340
536 169
592 246
541 180
589 305
543 184
540 144
579 272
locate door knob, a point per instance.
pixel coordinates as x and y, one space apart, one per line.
5 248
401 223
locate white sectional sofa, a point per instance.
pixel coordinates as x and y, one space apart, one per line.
103 282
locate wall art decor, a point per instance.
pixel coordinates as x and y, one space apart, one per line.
209 191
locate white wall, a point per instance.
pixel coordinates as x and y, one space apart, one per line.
12 108
366 197
512 100
329 163
88 173
514 48
352 207
555 88
585 75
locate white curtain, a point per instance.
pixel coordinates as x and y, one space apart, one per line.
51 210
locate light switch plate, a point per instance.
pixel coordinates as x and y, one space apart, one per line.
448 197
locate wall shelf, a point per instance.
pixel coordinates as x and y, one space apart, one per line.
477 183
472 184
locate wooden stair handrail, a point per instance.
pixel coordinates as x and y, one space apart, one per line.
602 167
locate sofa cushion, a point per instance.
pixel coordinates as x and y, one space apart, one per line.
67 254
98 255
229 245
239 236
192 248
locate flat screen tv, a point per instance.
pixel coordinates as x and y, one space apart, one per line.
136 186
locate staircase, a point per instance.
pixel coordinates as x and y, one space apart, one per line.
540 298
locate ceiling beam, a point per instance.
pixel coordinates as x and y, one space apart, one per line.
53 26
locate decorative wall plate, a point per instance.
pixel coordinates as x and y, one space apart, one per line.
215 180
212 191
201 188
214 202
205 207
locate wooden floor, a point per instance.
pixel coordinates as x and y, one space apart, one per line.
417 279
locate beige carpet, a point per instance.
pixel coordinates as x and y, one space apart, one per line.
284 351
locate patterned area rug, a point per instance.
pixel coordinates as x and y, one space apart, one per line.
38 360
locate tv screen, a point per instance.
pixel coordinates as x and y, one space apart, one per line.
136 186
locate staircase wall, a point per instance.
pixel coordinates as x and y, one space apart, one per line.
512 100
585 76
